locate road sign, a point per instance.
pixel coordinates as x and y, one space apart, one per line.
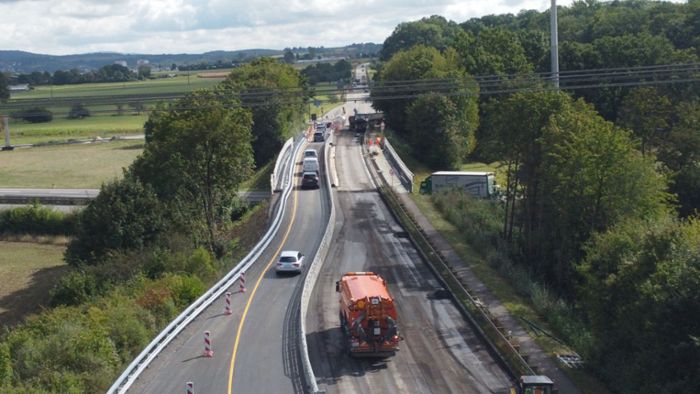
317 103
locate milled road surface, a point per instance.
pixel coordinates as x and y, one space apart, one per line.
266 360
440 352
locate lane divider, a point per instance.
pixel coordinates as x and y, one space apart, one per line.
232 365
312 277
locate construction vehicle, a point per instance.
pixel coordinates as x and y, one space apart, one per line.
367 315
534 384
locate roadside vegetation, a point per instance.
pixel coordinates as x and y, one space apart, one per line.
156 237
596 229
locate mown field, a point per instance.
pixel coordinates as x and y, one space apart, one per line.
81 166
28 271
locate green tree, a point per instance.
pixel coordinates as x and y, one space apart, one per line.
4 88
198 152
427 64
641 297
276 94
495 51
78 111
435 133
592 177
646 113
434 31
511 132
125 215
144 72
288 56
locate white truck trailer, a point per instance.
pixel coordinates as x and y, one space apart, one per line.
479 184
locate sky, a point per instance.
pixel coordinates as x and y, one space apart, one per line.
61 27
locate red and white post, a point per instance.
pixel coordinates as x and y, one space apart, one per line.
228 303
207 345
242 282
190 388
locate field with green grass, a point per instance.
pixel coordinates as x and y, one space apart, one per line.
28 271
115 108
80 166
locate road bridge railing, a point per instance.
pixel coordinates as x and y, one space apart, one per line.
143 360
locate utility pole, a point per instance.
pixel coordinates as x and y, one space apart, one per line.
6 126
554 41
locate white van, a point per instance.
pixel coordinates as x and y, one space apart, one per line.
310 164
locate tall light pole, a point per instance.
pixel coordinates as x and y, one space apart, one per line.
554 41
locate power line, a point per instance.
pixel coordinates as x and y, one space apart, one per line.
407 89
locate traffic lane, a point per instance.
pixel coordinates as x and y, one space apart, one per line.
440 352
350 177
182 361
267 359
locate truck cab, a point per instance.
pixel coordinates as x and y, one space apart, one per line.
535 384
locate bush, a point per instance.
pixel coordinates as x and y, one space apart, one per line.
74 288
34 115
126 215
38 220
78 111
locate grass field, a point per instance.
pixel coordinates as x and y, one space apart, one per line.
84 166
179 84
62 129
101 100
28 271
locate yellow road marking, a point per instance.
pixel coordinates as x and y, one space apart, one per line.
252 294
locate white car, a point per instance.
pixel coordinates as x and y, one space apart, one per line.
290 261
311 153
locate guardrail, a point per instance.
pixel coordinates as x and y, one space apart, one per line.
133 371
274 187
312 276
405 175
494 337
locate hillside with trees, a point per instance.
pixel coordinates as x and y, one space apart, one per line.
602 182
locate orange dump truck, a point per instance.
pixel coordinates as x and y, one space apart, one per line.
367 315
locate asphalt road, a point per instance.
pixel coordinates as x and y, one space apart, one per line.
440 352
262 328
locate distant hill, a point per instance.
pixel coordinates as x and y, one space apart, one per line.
26 62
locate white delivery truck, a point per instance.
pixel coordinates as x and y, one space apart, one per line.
478 184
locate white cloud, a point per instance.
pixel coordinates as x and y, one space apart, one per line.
195 26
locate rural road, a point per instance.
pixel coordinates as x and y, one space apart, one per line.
267 357
440 352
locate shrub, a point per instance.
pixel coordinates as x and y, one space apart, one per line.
74 288
34 115
78 111
37 219
126 215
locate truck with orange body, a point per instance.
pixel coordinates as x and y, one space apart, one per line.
367 315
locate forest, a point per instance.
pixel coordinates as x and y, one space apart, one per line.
602 179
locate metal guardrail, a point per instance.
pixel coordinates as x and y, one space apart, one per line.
311 278
133 371
405 175
274 187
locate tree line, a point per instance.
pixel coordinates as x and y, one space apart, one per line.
108 73
601 188
152 242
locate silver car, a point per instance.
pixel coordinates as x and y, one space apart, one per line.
290 261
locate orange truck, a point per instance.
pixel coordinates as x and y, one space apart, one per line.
367 315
